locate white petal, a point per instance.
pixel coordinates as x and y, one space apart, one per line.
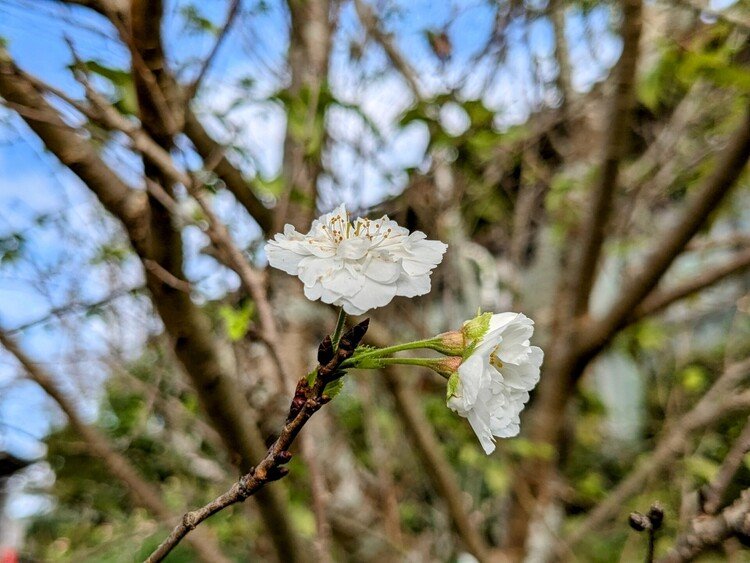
312 269
383 271
411 286
344 282
373 295
283 258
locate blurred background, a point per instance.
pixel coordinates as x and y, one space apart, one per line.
584 160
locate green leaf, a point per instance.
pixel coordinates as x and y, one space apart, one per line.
237 320
334 387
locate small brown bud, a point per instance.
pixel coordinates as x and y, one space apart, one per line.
353 337
656 515
325 351
639 522
452 342
283 457
448 366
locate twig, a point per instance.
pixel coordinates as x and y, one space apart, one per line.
718 401
707 531
651 523
372 25
713 492
308 399
659 300
166 276
192 88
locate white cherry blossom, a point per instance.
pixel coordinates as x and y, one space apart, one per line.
359 265
492 384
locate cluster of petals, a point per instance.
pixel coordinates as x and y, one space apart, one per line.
494 381
358 265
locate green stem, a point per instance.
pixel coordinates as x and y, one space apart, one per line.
432 363
340 322
417 344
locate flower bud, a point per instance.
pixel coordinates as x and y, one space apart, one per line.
450 343
447 366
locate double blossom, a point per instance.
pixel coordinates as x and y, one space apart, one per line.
491 386
359 265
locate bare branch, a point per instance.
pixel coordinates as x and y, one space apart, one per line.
729 165
208 148
615 147
371 23
659 300
719 401
713 492
192 88
308 399
143 493
706 531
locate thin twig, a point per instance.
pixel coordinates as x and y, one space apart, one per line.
192 88
308 399
718 401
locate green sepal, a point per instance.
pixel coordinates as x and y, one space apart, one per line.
476 328
452 387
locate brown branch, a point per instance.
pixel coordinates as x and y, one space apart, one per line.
308 399
193 87
713 492
659 300
720 400
706 531
615 146
208 148
728 168
371 24
152 236
143 493
71 148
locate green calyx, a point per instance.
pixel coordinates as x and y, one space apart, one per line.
476 328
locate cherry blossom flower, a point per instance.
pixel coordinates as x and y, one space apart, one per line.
359 265
492 384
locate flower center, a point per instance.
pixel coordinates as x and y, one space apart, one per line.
494 360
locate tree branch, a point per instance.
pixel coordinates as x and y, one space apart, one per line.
308 399
720 400
192 88
143 493
728 168
706 531
659 300
713 492
371 24
208 148
615 146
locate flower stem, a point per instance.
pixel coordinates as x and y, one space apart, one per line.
432 363
340 322
380 352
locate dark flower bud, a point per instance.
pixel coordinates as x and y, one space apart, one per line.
283 457
656 515
353 337
639 522
325 351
